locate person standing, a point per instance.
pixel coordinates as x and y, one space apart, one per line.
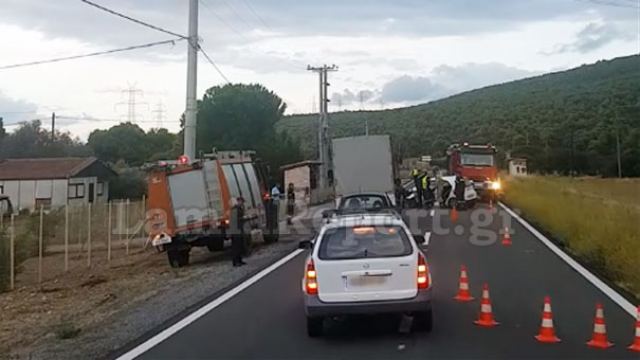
291 202
275 192
236 227
415 174
399 193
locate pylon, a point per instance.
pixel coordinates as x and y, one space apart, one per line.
486 314
453 214
636 342
547 333
506 238
463 291
599 339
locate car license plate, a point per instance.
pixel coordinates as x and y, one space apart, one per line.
365 281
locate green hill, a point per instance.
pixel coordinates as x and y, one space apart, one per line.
560 121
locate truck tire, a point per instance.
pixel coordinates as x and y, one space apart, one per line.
315 326
423 321
215 244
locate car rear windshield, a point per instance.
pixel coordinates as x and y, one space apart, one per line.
363 202
364 242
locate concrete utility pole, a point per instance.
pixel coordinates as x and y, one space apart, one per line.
192 78
324 140
53 127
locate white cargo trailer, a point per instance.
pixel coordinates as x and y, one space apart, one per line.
363 164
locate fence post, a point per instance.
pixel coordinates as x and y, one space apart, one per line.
40 236
12 253
109 231
143 216
66 237
89 235
126 224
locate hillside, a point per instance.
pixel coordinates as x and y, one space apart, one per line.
560 121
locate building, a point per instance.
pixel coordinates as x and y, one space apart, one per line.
304 177
54 182
518 167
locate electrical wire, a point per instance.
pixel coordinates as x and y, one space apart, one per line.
128 48
223 21
255 13
206 56
139 22
625 4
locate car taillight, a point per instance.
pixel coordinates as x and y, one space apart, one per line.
423 273
310 277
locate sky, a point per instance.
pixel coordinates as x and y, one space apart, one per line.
389 53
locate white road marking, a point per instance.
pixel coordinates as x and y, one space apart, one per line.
606 289
168 332
432 212
427 237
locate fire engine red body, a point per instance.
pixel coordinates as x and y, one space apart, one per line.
476 163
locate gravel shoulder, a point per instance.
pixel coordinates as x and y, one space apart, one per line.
93 315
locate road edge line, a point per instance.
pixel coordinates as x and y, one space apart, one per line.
197 314
625 304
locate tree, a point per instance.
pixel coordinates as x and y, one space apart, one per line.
243 117
30 140
3 132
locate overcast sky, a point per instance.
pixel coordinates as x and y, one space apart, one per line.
390 53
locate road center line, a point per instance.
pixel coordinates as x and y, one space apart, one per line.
606 289
168 332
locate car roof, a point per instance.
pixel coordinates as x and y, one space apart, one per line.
365 219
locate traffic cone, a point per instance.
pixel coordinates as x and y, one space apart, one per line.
547 333
486 315
506 238
599 339
636 342
463 291
453 214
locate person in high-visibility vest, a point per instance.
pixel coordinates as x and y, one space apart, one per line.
415 174
426 191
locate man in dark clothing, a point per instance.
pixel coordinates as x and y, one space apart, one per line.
417 181
291 202
399 193
236 227
459 189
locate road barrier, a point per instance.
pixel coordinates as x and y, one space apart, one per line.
636 342
463 289
599 339
485 318
506 238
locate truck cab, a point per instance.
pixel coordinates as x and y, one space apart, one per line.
476 163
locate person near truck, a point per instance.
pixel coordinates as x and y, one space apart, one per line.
399 193
236 229
415 174
291 202
427 192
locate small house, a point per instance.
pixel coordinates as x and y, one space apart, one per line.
518 167
54 182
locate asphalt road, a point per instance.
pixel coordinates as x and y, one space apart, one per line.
267 320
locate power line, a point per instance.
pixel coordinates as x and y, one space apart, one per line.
134 47
626 4
223 21
255 13
214 65
237 14
139 22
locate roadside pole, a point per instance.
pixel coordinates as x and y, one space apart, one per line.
143 217
109 231
126 224
89 235
66 238
12 253
192 78
40 229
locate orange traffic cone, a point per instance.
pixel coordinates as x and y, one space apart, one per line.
453 214
463 291
486 315
599 339
506 238
547 333
636 342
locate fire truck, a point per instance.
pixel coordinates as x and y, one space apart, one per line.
189 203
476 163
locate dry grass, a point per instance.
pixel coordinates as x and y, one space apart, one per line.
598 220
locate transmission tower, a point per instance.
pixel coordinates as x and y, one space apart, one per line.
131 93
159 111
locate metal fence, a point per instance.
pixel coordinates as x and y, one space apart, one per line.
45 244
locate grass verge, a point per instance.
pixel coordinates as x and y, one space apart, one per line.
597 220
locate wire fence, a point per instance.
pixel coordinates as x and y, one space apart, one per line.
48 243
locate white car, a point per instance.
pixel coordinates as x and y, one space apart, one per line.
366 264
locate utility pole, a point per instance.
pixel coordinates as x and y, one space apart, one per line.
53 127
192 79
324 141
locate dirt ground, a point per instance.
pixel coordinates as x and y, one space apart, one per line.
83 296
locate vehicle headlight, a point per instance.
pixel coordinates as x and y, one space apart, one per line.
495 185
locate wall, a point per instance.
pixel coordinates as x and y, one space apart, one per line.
300 178
23 193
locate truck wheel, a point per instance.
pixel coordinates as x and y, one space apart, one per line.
215 244
423 321
315 326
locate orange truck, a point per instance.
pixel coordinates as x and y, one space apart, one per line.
189 203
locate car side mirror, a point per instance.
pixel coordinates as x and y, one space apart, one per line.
305 244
